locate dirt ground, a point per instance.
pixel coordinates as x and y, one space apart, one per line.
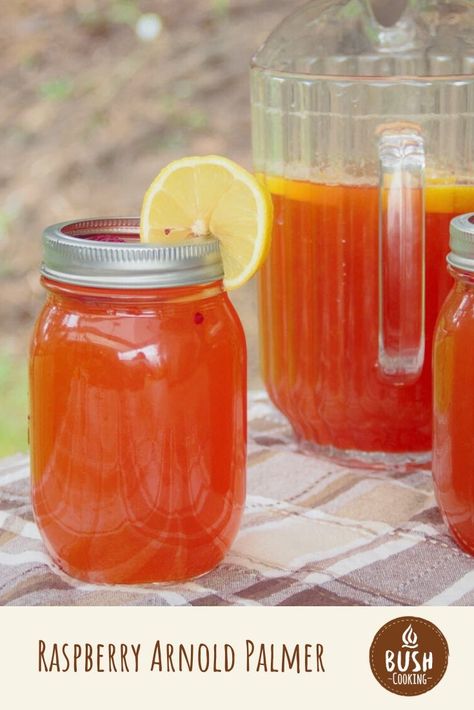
90 112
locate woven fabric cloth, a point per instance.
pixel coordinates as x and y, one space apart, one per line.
313 533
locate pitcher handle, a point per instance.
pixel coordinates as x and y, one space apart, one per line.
401 253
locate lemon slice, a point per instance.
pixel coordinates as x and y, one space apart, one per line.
199 197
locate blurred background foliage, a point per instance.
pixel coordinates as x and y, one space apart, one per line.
96 96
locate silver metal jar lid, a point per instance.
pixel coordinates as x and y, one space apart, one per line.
107 253
461 242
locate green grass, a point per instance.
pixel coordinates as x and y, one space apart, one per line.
57 89
220 8
13 405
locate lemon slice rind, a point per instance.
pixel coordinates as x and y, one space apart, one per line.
211 196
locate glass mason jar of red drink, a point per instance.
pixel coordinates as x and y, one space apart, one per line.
138 406
453 362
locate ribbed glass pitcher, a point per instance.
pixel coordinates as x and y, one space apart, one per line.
363 128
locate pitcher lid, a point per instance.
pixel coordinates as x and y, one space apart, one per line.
370 38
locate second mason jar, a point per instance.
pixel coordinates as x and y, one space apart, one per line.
453 363
138 406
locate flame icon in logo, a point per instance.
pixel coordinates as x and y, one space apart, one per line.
409 638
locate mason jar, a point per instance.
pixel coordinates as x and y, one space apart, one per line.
453 363
137 406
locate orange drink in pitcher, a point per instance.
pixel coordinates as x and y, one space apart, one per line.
319 308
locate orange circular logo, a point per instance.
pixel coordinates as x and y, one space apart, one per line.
409 655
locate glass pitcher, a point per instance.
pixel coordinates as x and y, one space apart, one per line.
363 129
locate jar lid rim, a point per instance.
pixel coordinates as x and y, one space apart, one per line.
107 253
461 242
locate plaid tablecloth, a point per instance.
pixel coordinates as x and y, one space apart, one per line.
313 533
